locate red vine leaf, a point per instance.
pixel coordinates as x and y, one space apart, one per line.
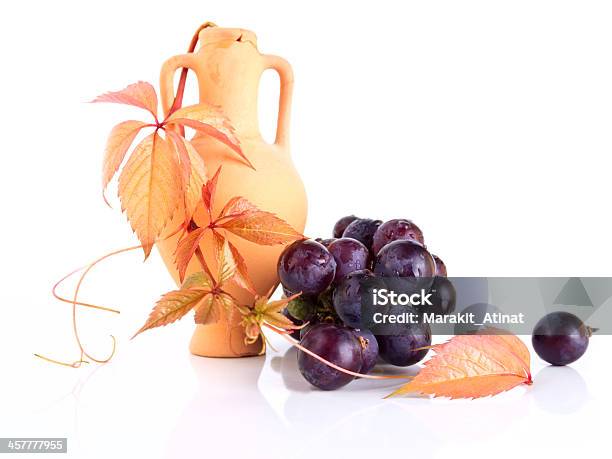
117 145
172 306
140 94
186 248
263 228
473 366
208 192
147 189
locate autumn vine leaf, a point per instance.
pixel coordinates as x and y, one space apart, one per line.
199 292
260 227
265 311
173 305
169 167
148 189
473 366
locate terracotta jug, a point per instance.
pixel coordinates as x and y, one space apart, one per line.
228 67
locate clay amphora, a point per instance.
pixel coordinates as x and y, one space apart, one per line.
228 67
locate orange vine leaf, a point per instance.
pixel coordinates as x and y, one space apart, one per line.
231 264
199 280
207 312
147 189
172 306
263 228
193 172
117 145
236 206
211 121
140 94
241 277
226 265
473 366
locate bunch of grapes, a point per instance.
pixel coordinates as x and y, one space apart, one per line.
329 275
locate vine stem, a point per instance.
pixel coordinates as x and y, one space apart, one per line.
65 300
180 91
295 343
74 305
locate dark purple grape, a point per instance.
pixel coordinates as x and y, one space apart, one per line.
404 259
399 348
347 297
440 266
369 350
307 267
341 225
396 230
338 345
325 242
560 338
350 255
306 329
363 230
443 296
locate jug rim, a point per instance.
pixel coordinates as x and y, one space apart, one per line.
217 34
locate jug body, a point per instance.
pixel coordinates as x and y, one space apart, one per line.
228 67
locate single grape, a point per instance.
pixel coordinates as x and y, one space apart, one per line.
307 267
560 338
395 230
363 230
347 297
443 296
404 258
440 266
338 345
306 329
369 350
325 242
400 348
341 225
350 255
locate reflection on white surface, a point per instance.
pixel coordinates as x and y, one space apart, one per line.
219 413
157 401
567 381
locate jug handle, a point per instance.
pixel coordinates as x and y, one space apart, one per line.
166 77
285 73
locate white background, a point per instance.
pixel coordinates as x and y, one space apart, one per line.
486 122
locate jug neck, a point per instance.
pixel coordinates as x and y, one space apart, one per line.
230 67
237 97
